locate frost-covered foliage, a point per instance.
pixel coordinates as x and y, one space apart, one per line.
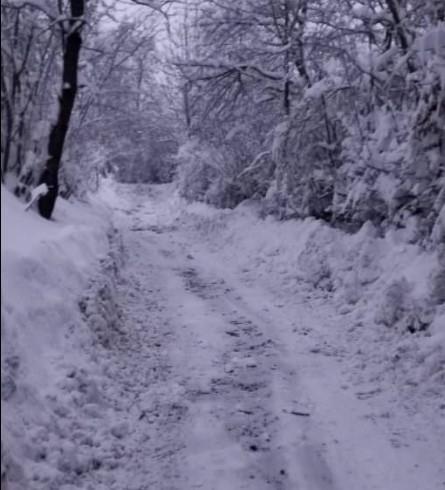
345 108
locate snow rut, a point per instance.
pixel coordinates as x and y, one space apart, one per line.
248 395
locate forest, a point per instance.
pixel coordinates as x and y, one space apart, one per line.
327 109
223 244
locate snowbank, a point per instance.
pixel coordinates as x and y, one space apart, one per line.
46 268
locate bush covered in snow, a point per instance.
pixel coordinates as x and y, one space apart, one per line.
213 175
348 139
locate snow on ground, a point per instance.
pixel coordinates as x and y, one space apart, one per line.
46 266
196 348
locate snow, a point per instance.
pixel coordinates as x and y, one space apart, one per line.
362 12
176 346
318 88
432 41
344 281
45 267
40 190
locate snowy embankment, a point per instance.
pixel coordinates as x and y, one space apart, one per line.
47 267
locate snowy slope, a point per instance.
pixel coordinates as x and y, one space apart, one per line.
46 267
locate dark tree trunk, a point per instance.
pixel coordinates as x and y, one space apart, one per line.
186 98
50 174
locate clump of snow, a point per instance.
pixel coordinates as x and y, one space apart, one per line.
432 42
362 12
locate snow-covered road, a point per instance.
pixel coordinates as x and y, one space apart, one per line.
212 401
172 346
214 384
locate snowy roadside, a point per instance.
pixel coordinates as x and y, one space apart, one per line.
47 267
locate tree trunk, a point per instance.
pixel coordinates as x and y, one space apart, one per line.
50 174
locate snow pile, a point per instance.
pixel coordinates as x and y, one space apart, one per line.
385 296
46 268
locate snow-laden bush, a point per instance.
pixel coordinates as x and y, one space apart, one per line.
305 149
196 170
83 170
214 175
399 308
313 263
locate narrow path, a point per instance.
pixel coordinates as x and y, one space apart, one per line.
207 398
